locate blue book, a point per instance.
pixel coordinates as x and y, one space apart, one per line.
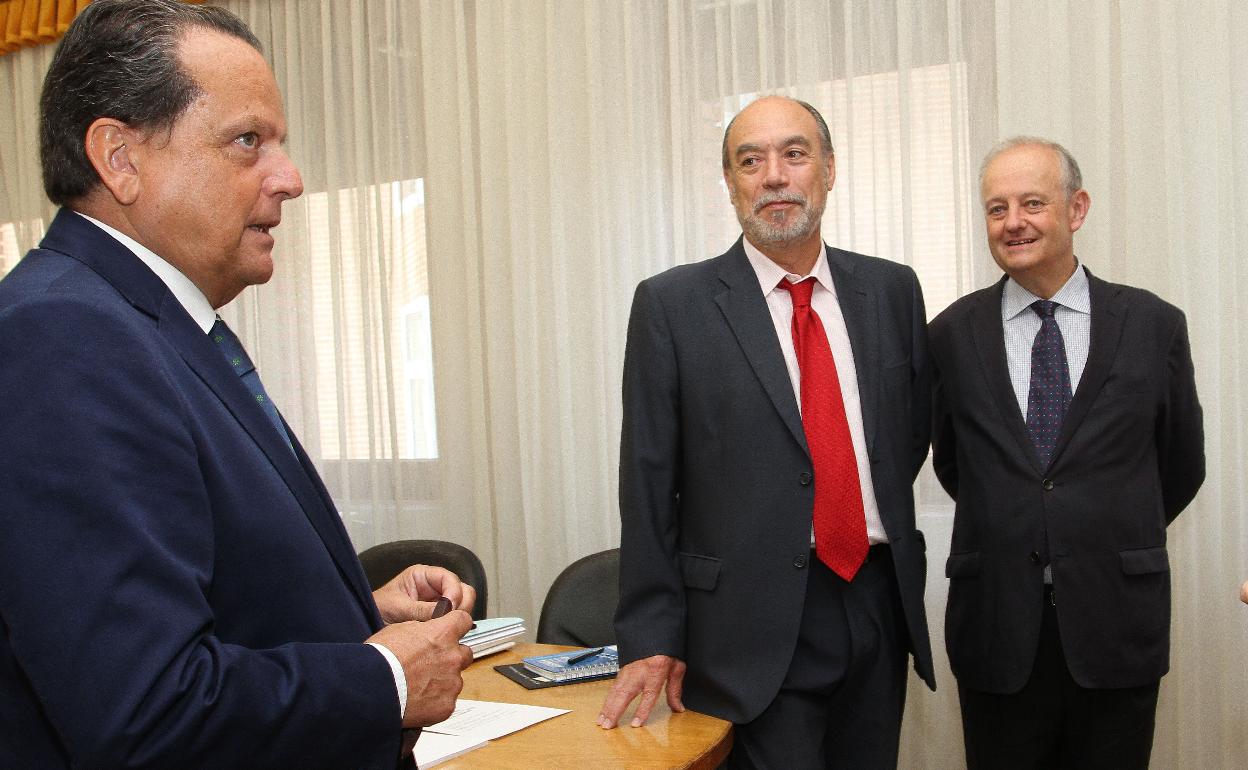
575 664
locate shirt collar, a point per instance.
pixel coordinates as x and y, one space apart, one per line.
770 274
1073 294
182 288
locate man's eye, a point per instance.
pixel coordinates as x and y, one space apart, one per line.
793 154
1034 205
996 211
747 162
248 140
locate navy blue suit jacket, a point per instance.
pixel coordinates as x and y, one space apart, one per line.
176 587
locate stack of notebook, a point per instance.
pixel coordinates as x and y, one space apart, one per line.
493 635
576 665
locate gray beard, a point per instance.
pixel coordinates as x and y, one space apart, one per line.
762 232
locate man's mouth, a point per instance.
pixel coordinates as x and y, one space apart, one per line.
1020 242
261 228
770 200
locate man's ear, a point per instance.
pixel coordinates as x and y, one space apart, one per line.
1080 202
109 145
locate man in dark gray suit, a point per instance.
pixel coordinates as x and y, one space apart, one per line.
780 383
1068 430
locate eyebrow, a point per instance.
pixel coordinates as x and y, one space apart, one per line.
796 139
250 122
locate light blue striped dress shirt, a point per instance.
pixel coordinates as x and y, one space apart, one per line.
1073 315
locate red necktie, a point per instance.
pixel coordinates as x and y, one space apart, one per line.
840 523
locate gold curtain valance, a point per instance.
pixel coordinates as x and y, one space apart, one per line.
25 23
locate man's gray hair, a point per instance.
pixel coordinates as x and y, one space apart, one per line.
1072 179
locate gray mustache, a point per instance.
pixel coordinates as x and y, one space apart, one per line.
779 197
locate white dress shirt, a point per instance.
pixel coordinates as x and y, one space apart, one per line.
823 301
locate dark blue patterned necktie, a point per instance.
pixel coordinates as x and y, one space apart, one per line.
233 351
1048 398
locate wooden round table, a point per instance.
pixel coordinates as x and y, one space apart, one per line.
688 740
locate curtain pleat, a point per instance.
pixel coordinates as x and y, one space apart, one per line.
547 156
34 22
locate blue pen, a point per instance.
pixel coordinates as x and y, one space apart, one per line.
584 656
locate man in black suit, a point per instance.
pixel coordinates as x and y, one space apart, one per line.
736 436
1068 430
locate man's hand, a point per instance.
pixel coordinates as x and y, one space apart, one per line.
1243 592
432 659
648 677
412 593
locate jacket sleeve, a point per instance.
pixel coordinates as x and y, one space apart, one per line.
921 387
944 441
650 619
1180 428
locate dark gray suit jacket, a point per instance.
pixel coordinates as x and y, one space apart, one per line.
1129 458
716 485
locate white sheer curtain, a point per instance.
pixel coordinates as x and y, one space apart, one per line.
487 181
1152 98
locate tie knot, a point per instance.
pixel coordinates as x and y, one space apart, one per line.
801 290
1044 307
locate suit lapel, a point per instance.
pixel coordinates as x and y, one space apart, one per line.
203 357
988 334
745 309
862 324
1109 314
76 237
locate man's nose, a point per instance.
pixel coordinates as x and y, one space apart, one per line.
1014 219
775 175
284 179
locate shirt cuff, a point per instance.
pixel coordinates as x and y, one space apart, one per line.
400 679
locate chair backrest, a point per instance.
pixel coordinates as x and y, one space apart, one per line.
382 562
580 605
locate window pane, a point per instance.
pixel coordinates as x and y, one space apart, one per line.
370 293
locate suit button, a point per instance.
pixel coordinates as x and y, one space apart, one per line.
1034 556
1048 485
806 478
799 561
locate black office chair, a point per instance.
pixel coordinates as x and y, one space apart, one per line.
382 562
580 605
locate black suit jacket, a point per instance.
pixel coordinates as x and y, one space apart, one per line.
1129 458
715 478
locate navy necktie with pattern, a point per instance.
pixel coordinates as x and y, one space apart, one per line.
1048 398
232 349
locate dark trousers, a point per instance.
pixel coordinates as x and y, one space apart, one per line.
841 702
1053 722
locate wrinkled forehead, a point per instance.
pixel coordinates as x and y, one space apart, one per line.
772 122
233 78
1028 168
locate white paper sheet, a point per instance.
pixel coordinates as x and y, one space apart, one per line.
433 748
486 720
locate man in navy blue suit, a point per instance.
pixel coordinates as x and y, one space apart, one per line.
176 587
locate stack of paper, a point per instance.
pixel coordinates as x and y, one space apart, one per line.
493 635
473 724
